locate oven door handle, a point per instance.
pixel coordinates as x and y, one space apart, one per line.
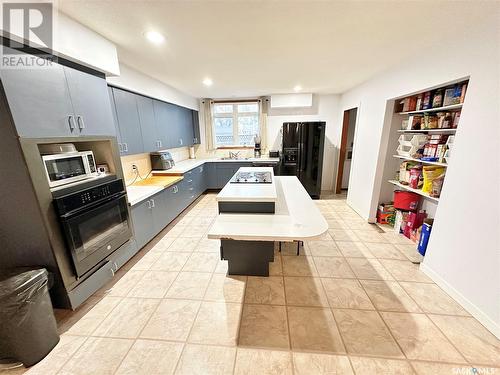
78 211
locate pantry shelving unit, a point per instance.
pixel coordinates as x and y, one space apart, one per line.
429 131
409 140
421 161
431 110
417 191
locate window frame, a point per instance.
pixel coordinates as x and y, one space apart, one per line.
234 115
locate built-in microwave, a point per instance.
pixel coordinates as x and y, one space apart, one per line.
62 169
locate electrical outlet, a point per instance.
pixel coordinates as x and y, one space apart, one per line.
134 168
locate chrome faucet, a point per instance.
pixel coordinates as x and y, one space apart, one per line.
234 155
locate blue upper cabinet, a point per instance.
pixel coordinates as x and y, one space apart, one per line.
57 101
127 114
91 105
153 124
186 125
150 137
196 127
39 101
163 118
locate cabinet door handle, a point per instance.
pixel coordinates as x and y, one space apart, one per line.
125 147
152 203
180 141
149 204
159 143
71 122
81 124
190 180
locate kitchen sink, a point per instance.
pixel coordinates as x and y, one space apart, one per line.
228 158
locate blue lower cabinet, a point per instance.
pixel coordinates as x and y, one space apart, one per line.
210 175
150 216
142 220
159 211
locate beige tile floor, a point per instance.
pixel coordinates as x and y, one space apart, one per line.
351 303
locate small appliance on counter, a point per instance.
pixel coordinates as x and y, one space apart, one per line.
67 167
161 160
256 148
274 154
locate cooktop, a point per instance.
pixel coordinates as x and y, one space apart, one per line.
252 178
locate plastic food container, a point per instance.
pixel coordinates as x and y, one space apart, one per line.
424 238
406 200
408 151
415 140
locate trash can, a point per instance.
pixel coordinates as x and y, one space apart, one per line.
28 329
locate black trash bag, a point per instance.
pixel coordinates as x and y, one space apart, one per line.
28 329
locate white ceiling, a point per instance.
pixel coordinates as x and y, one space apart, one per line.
254 48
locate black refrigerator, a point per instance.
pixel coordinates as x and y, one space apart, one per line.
302 153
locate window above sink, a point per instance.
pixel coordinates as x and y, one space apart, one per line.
235 124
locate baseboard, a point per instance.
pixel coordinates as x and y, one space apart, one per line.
485 320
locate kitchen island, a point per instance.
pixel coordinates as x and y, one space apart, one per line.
248 237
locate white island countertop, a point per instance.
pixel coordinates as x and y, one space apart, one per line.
250 192
296 218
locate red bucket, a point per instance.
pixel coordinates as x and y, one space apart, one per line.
406 200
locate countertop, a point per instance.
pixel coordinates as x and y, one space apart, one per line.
160 180
186 165
143 189
249 192
296 219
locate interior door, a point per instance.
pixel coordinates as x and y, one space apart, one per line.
39 101
89 95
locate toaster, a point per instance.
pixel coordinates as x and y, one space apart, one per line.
274 154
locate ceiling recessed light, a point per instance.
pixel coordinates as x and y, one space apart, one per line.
154 37
208 82
297 88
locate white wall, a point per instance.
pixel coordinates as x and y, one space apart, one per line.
463 255
324 108
140 83
77 43
84 46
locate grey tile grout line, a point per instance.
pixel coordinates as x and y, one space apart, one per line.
239 325
447 338
333 353
338 328
418 305
71 356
